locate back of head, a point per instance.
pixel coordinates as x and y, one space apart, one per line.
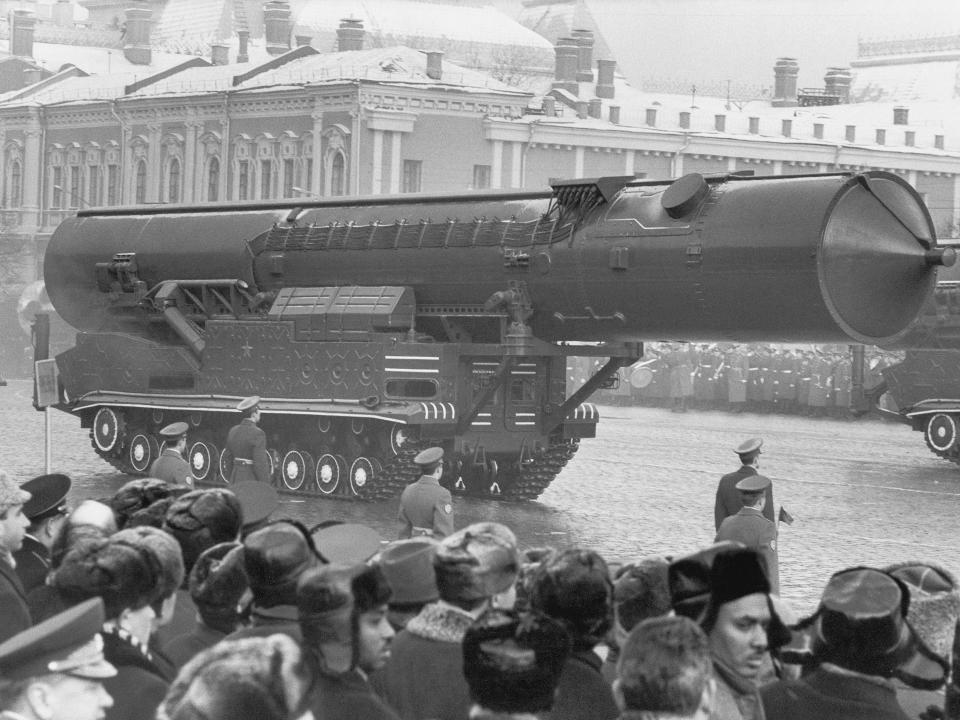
476 563
201 519
513 661
275 557
575 588
136 495
641 591
263 678
664 667
95 513
163 548
217 584
125 576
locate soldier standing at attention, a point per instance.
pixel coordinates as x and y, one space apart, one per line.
426 507
46 510
171 466
751 528
728 500
247 445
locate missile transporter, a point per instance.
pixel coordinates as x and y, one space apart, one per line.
373 327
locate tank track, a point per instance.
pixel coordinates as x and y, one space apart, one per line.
119 461
531 480
394 477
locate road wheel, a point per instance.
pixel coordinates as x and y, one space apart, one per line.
296 469
143 450
225 465
363 475
107 430
401 436
941 433
330 468
204 459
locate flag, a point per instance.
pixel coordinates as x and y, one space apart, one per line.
785 517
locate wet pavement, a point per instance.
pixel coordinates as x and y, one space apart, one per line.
862 492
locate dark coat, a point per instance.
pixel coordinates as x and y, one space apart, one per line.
171 466
44 602
14 612
826 694
751 528
248 442
269 621
33 563
426 508
184 620
347 697
139 685
728 500
583 694
183 648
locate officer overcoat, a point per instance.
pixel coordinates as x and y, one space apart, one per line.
426 507
728 500
171 466
247 442
751 528
33 563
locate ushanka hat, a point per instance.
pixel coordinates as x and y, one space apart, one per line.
689 579
934 603
861 625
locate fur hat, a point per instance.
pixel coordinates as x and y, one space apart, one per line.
689 579
136 495
641 590
934 603
275 556
163 548
513 661
201 519
477 562
259 677
152 515
10 493
124 575
574 587
218 582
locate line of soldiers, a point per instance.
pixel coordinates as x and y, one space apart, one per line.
814 381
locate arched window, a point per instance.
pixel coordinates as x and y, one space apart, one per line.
16 185
140 191
336 175
213 179
173 181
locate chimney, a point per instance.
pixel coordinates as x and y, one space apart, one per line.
901 116
652 117
62 13
595 107
837 82
434 64
21 36
350 35
582 108
605 70
615 114
584 40
31 75
136 39
785 73
243 54
219 54
302 40
565 75
276 26
549 106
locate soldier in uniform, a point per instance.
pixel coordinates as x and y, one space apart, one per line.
728 501
247 445
738 374
171 466
750 527
54 670
46 510
426 507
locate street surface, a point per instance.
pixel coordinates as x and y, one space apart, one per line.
862 492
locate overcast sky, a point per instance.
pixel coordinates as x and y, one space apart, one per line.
739 40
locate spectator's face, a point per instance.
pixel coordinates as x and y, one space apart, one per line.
374 637
739 638
65 697
13 526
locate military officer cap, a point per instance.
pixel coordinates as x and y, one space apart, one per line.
430 456
174 430
346 543
248 403
753 483
67 643
749 446
48 496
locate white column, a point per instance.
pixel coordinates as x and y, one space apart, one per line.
731 164
154 163
32 162
191 168
956 200
578 162
396 162
377 163
316 184
496 165
629 162
778 167
516 166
